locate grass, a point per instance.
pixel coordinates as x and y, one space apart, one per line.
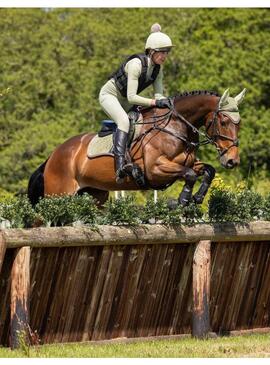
255 345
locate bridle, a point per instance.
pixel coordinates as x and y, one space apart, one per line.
155 120
217 135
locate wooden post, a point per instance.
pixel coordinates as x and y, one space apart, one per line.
201 289
20 284
3 246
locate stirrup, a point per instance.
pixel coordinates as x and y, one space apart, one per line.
121 173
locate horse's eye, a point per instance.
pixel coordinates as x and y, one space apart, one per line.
223 123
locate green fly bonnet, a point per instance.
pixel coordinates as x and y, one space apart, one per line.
229 105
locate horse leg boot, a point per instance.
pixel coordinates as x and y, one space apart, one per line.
186 194
120 146
208 176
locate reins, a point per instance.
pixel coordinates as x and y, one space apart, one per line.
158 119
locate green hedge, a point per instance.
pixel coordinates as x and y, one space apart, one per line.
223 205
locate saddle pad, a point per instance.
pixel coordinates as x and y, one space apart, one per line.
100 146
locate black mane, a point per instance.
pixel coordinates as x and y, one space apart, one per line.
196 92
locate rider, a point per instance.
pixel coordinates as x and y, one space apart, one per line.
121 91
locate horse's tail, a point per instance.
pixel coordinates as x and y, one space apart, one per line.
35 188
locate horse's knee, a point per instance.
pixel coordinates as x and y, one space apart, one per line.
190 177
186 195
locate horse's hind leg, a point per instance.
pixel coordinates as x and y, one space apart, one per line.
59 184
101 196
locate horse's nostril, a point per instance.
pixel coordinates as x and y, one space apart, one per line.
230 164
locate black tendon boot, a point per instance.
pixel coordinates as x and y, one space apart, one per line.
120 145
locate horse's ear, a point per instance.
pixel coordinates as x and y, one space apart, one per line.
239 98
223 99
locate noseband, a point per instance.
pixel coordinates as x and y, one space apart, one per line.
217 135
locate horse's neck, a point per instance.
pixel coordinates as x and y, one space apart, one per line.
195 108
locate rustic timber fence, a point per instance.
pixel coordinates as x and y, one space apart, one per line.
113 282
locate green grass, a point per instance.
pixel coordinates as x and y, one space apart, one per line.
240 346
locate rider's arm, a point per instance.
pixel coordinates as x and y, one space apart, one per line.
158 85
133 69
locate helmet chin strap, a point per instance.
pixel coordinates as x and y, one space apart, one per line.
151 54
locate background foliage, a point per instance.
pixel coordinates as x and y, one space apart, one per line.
54 62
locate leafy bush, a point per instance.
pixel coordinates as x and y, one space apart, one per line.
250 205
18 211
226 205
64 210
159 212
154 212
121 211
222 206
266 209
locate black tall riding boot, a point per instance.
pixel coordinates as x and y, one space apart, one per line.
120 146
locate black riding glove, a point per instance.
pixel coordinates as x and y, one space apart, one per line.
163 103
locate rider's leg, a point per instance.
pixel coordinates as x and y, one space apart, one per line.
114 110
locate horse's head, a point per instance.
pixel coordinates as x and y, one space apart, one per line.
222 127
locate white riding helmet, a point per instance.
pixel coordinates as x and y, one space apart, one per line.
157 40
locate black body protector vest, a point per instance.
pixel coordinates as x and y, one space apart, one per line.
120 76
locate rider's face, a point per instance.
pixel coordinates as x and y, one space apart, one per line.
159 57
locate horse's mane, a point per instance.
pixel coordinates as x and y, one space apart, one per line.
182 95
195 92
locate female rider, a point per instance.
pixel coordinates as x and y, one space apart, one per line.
121 91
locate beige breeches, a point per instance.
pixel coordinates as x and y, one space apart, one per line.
112 107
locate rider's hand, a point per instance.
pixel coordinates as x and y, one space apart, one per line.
163 103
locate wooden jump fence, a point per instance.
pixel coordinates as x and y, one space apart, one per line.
77 284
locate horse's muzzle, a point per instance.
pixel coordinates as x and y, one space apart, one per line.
231 164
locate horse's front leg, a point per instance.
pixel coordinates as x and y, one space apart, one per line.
165 168
208 173
186 194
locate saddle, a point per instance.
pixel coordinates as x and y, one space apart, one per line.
109 126
102 144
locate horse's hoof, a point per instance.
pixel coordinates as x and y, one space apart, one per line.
184 202
172 204
184 198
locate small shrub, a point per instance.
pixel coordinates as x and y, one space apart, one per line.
228 206
155 212
192 214
65 209
18 211
222 206
189 215
121 211
266 208
250 205
159 212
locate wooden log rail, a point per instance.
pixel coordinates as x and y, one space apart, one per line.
199 235
143 234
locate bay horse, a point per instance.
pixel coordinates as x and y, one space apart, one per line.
165 151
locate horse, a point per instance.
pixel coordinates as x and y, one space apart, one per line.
164 152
